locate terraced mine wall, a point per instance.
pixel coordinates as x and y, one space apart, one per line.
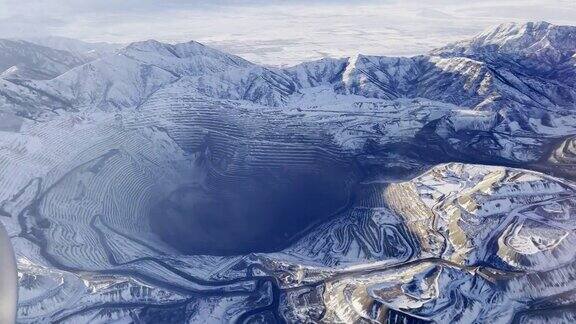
259 181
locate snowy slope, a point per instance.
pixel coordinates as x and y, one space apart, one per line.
24 60
540 46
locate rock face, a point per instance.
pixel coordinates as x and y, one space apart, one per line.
177 183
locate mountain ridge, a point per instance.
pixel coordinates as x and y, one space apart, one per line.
20 59
467 73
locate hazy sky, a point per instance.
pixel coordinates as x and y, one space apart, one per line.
274 31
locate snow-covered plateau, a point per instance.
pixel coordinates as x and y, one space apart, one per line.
175 183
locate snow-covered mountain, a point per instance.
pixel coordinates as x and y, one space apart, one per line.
540 47
177 183
475 73
514 69
77 47
126 78
24 60
518 71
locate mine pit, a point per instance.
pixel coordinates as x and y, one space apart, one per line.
265 211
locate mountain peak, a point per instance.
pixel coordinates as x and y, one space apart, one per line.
541 41
150 45
153 50
523 36
518 28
